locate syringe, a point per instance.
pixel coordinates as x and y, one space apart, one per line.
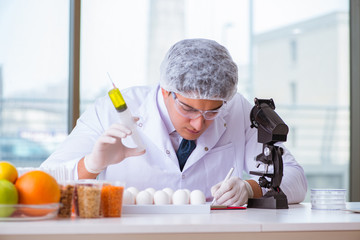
125 115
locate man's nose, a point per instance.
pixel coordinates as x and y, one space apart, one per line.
198 123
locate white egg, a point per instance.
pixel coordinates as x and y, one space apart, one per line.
170 192
144 198
151 191
187 191
128 198
180 197
161 198
133 190
197 197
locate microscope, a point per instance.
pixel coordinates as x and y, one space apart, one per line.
271 129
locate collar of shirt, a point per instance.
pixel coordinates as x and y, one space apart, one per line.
175 138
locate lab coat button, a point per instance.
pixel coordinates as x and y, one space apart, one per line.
182 176
140 124
167 152
206 149
224 124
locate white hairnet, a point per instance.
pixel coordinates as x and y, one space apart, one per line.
199 69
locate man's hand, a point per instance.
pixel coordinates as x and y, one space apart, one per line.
109 149
234 192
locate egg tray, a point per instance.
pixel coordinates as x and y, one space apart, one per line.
166 209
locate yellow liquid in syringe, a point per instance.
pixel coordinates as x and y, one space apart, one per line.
117 100
125 116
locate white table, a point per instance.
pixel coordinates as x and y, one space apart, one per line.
297 222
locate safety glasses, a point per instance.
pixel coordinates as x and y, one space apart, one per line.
192 113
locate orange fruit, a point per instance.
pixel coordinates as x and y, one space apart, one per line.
37 187
8 171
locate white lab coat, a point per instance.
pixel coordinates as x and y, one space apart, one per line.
228 142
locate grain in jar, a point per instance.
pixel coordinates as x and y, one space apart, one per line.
111 199
66 199
88 197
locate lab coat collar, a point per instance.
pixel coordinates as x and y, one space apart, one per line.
153 126
164 113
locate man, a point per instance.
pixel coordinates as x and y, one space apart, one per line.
195 111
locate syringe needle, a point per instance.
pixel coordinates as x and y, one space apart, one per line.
111 80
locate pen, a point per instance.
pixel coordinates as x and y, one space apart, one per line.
226 178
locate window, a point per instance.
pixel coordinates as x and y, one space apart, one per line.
129 39
317 104
33 79
293 51
293 92
302 40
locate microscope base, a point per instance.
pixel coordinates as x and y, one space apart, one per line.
268 203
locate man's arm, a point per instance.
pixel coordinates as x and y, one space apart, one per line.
83 173
257 192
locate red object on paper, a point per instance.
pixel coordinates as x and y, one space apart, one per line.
227 208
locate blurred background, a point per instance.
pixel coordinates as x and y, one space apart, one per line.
296 52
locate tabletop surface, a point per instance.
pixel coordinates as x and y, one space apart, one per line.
299 217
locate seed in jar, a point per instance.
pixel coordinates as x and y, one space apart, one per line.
66 198
88 201
111 200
